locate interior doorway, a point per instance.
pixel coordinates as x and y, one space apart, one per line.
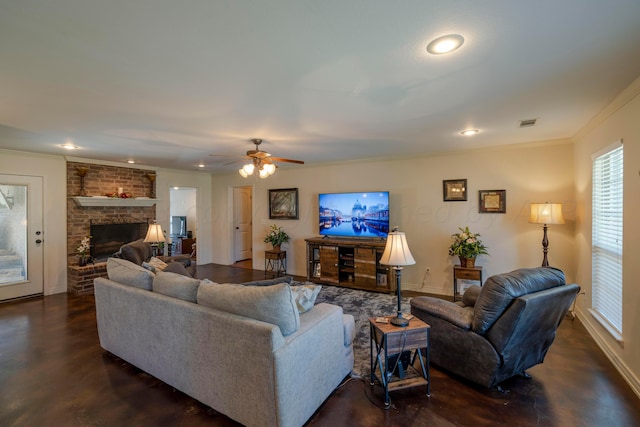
183 224
242 224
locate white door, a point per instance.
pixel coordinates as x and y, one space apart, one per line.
21 236
242 236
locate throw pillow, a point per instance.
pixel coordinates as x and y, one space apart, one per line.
269 282
177 267
272 304
157 263
149 267
176 286
128 273
305 295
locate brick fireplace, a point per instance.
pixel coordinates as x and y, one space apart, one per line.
101 180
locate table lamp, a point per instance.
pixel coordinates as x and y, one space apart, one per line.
397 254
546 213
154 236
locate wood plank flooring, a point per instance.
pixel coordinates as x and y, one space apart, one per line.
54 373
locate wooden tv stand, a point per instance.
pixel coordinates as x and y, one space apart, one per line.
352 263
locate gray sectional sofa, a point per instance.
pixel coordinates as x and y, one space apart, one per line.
245 351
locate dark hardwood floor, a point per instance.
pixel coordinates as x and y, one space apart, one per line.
54 373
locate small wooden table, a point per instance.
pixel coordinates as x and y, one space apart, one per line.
275 261
465 273
393 346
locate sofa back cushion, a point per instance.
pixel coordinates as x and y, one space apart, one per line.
499 291
176 285
272 304
128 273
137 252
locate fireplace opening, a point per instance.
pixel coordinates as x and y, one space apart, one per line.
106 239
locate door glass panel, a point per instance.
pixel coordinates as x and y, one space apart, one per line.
13 234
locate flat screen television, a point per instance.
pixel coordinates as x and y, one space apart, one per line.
178 226
364 214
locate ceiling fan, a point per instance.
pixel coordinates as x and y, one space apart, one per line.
262 161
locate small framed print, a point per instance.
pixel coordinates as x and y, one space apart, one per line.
492 201
454 190
283 203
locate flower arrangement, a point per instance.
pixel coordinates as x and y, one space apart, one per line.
467 244
276 236
85 245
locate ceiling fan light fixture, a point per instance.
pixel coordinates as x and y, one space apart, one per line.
270 168
242 173
263 173
445 44
248 168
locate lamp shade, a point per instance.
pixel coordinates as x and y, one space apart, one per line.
154 234
546 213
397 252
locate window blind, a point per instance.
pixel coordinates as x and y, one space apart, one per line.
606 253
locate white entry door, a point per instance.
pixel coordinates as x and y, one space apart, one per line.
21 236
242 218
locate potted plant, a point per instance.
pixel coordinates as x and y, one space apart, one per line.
276 236
83 249
467 246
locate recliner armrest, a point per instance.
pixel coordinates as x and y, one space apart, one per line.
445 310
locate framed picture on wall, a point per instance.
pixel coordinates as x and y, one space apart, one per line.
283 203
454 190
492 201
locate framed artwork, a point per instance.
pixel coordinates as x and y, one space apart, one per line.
283 203
492 201
454 190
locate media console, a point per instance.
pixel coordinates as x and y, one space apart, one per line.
352 263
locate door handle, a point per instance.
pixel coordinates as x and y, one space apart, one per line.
38 241
237 228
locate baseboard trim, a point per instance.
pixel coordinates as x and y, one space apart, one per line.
613 357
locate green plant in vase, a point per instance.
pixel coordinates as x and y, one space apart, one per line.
467 246
276 236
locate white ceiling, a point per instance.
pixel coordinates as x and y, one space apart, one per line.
167 83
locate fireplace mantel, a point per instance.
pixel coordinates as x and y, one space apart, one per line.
112 201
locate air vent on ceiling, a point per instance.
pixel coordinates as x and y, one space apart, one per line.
527 123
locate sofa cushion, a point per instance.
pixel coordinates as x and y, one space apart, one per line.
128 273
305 295
269 282
137 252
499 291
176 285
272 304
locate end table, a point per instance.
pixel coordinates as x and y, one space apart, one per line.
388 346
275 261
465 273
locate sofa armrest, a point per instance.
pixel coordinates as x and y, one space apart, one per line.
445 310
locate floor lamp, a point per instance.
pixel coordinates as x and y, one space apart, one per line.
546 214
154 236
397 254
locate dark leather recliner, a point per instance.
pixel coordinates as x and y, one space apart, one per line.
500 329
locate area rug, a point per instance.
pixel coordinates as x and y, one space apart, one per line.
362 305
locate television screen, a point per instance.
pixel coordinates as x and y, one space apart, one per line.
354 214
178 226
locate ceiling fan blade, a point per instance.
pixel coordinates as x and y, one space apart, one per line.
280 159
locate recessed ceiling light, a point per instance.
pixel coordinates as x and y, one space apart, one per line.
68 146
469 132
445 44
131 161
201 165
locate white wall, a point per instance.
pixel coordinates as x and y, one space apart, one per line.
618 121
53 170
529 173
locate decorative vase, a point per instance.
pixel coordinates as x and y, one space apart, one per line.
276 247
467 262
82 261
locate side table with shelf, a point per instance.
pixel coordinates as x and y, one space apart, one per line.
465 273
275 261
388 346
